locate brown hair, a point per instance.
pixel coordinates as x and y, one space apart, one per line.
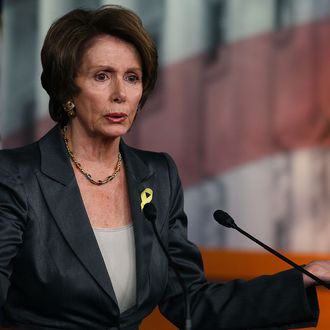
72 34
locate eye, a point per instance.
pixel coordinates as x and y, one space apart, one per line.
102 76
132 78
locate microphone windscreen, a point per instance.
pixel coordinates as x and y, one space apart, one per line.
223 218
150 212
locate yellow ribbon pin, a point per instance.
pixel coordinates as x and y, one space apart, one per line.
146 197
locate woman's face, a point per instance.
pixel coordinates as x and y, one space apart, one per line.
110 83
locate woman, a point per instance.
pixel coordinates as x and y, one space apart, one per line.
75 249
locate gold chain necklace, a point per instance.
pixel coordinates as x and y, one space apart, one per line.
86 174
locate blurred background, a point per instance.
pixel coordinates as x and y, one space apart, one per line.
242 104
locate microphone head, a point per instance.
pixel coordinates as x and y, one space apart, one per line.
150 212
223 218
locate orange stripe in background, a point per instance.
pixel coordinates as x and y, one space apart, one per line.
230 264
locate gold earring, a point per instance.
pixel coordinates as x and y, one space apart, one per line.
69 108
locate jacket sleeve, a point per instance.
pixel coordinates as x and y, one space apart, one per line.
13 214
278 300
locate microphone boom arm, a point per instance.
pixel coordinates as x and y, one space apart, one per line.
284 258
223 218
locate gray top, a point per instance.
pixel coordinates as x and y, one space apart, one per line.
118 251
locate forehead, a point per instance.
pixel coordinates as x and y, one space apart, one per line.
110 48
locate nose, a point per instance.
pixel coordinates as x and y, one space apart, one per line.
118 94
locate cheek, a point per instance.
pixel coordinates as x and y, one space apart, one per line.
86 101
138 95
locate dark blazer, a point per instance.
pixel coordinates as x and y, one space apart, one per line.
52 275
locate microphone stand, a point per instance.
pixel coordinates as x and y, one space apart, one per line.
150 213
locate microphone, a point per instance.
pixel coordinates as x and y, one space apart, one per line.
226 220
150 212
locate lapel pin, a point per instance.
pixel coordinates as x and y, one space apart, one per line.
146 197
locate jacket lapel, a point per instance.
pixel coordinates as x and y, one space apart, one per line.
63 197
139 177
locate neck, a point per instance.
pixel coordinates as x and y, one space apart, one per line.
92 148
97 166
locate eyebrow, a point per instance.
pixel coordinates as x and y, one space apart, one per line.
107 67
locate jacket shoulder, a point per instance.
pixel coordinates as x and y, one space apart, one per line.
23 156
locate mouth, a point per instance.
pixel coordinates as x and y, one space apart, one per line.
116 117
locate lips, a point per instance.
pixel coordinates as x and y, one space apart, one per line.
116 117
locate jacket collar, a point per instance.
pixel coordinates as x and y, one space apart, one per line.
64 200
54 161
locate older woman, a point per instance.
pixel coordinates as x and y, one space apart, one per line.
75 249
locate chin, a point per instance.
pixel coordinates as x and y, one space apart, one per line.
115 133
